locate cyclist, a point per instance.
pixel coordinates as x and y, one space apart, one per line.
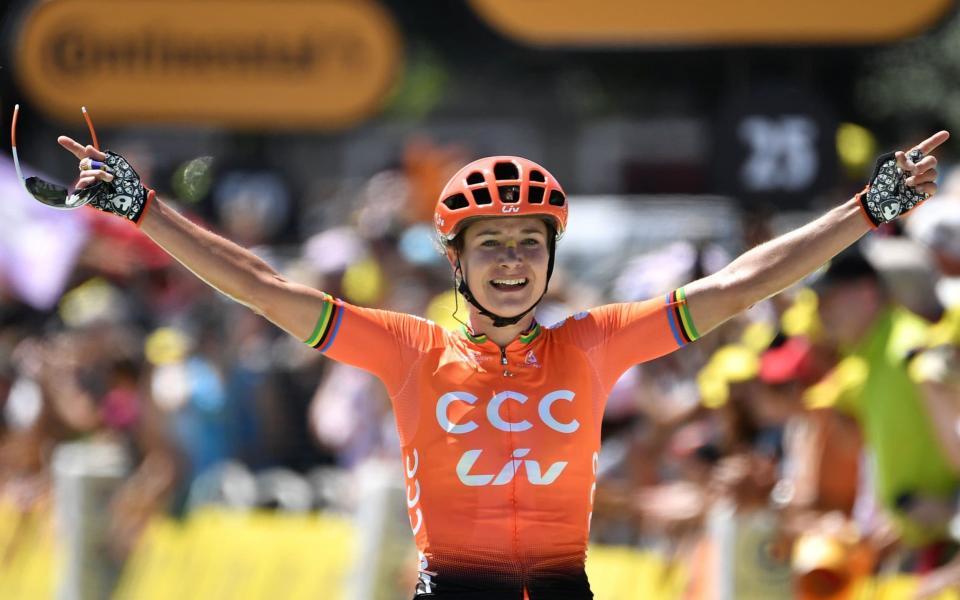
500 423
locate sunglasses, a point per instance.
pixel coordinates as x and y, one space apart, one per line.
52 194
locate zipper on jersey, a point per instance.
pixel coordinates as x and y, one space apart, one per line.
513 480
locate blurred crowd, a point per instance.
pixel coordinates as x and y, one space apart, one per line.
810 442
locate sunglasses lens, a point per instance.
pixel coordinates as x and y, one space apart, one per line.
81 197
55 195
46 192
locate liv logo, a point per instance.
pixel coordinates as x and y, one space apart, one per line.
506 474
531 360
510 209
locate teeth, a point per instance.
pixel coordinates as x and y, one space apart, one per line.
509 281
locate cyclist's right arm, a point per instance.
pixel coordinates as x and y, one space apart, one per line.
222 264
382 342
234 271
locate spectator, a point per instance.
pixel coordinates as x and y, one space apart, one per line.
914 479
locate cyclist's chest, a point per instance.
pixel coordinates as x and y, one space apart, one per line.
483 410
513 391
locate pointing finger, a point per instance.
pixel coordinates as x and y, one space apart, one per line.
92 152
79 150
928 145
71 146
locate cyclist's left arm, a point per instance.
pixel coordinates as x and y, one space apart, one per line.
898 184
773 266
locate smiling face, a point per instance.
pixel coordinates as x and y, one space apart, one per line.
505 262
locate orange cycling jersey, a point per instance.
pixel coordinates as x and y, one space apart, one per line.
500 445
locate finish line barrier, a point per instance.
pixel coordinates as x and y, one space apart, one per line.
217 553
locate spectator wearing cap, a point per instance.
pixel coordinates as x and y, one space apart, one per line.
822 446
817 489
912 475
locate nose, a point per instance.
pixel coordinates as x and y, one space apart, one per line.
510 254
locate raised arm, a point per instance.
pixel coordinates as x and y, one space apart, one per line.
772 267
234 271
229 268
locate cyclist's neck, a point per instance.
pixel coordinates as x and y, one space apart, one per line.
501 336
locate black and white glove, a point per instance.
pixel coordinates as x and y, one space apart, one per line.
888 196
125 195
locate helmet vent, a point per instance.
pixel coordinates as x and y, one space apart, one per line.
506 171
509 194
536 175
456 202
535 194
557 198
482 196
475 177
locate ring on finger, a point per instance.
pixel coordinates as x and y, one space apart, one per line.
92 165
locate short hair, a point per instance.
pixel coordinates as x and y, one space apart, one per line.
847 267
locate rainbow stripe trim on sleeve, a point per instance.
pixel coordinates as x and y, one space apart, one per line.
681 323
327 325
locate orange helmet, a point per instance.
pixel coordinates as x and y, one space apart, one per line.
499 186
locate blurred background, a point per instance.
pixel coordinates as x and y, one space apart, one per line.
158 440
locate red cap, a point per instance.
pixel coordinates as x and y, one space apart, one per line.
790 361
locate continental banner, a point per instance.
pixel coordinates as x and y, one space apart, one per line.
708 22
243 63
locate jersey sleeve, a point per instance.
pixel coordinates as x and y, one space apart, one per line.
617 336
382 342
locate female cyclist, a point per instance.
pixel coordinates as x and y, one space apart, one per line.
500 423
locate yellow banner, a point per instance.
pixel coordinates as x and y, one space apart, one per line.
247 63
708 22
218 553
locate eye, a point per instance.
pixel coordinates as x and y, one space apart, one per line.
531 242
490 243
